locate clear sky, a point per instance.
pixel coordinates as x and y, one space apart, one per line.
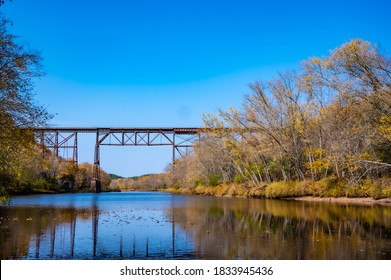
164 63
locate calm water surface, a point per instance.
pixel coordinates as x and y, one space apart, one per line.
154 225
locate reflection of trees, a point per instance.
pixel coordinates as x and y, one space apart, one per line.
262 229
21 225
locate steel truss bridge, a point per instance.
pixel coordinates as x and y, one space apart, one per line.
62 142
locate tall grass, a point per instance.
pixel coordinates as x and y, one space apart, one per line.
328 187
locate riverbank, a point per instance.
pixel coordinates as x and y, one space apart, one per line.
327 190
344 200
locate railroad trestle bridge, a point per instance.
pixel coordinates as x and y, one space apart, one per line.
63 142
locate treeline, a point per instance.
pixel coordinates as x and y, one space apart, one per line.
29 172
148 182
322 130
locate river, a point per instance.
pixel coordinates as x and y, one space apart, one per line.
153 225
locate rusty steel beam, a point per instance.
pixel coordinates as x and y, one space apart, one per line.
56 141
177 130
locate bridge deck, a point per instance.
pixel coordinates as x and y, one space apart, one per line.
177 130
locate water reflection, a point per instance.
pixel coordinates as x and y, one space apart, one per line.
164 226
35 232
266 229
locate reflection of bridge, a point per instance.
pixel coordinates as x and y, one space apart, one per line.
72 216
62 141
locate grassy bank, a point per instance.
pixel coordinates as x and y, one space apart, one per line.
326 188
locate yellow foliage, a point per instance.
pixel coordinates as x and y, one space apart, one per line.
317 61
366 156
318 162
385 127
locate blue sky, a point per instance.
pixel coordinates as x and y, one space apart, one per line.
164 63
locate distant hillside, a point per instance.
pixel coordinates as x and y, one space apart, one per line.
140 176
114 176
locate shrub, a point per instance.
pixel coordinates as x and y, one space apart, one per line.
213 180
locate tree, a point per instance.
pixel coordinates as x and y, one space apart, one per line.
353 89
19 65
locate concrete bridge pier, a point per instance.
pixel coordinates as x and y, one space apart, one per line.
96 186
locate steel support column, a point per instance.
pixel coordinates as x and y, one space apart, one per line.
56 143
75 152
95 182
173 149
